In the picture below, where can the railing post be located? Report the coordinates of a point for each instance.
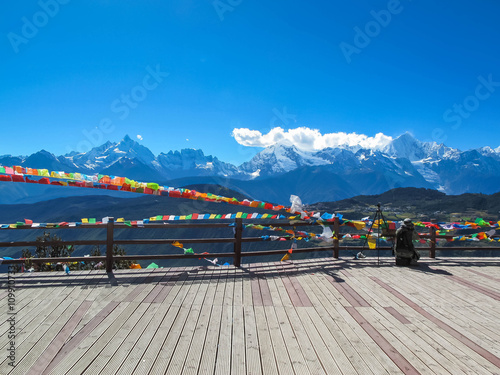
(109, 244)
(237, 244)
(432, 250)
(336, 231)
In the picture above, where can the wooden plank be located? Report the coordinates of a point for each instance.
(79, 344)
(223, 361)
(410, 346)
(321, 348)
(138, 361)
(358, 346)
(256, 295)
(298, 358)
(209, 355)
(460, 355)
(247, 289)
(338, 344)
(122, 354)
(435, 338)
(388, 349)
(229, 290)
(221, 287)
(421, 344)
(195, 352)
(182, 285)
(265, 346)
(273, 289)
(34, 322)
(205, 276)
(49, 353)
(282, 352)
(465, 340)
(30, 348)
(157, 357)
(93, 363)
(292, 292)
(251, 343)
(181, 348)
(111, 337)
(354, 299)
(238, 287)
(396, 314)
(27, 310)
(238, 352)
(265, 291)
(168, 283)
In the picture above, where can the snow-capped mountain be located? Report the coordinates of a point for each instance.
(280, 158)
(191, 162)
(404, 162)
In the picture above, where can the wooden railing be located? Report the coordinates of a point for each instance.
(236, 240)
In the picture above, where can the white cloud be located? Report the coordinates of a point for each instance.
(308, 139)
(139, 137)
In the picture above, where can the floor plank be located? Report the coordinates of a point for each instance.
(310, 316)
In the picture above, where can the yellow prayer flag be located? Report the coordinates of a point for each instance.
(85, 221)
(212, 216)
(286, 257)
(177, 244)
(372, 243)
(120, 220)
(238, 215)
(152, 218)
(359, 224)
(182, 217)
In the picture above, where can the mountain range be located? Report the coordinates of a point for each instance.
(279, 170)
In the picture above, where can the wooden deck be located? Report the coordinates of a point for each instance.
(320, 316)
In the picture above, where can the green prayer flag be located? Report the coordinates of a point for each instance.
(188, 251)
(92, 221)
(153, 186)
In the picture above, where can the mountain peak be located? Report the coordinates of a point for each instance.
(405, 146)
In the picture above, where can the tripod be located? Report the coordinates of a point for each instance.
(379, 219)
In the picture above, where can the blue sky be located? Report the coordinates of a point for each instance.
(186, 74)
